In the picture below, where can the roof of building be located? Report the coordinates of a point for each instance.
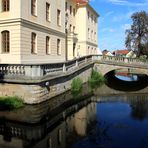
(121, 52)
(81, 1)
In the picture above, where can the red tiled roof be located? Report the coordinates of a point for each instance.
(121, 52)
(81, 1)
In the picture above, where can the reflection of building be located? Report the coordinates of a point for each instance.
(53, 133)
(82, 119)
(33, 31)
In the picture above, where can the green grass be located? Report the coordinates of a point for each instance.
(10, 103)
(96, 80)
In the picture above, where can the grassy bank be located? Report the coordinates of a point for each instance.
(10, 103)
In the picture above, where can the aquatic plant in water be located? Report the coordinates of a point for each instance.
(76, 86)
(10, 103)
(96, 80)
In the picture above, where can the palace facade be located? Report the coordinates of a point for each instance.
(46, 31)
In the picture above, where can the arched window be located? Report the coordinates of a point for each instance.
(5, 5)
(5, 41)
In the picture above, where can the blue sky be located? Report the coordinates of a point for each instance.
(115, 18)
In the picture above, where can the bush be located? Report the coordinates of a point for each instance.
(96, 79)
(76, 86)
(10, 103)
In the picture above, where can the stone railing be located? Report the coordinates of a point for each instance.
(36, 71)
(120, 60)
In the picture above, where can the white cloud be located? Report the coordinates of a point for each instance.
(127, 3)
(126, 26)
(122, 17)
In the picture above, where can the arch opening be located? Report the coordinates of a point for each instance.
(126, 80)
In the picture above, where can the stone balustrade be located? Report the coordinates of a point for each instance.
(35, 71)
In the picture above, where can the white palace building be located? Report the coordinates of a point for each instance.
(46, 31)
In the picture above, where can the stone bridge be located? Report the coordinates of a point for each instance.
(107, 64)
(38, 82)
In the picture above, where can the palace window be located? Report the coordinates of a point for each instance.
(33, 43)
(47, 45)
(70, 9)
(58, 46)
(5, 41)
(59, 136)
(47, 11)
(66, 6)
(74, 11)
(34, 7)
(58, 17)
(5, 5)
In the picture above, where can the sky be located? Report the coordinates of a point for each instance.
(115, 18)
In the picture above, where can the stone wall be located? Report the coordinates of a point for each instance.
(37, 93)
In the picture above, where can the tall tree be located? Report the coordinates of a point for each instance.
(137, 35)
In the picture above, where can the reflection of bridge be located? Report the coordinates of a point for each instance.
(48, 80)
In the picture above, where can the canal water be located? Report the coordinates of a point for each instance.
(108, 119)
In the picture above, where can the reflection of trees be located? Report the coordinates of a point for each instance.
(139, 105)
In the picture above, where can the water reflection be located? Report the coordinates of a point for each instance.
(107, 121)
(126, 81)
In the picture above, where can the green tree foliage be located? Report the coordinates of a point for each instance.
(137, 35)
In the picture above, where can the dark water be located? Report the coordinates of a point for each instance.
(118, 125)
(98, 122)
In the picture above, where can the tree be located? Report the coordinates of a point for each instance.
(137, 35)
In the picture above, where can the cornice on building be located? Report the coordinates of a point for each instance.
(82, 3)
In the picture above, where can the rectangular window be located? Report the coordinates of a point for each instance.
(70, 28)
(5, 5)
(33, 43)
(66, 6)
(47, 11)
(59, 136)
(74, 11)
(74, 29)
(34, 7)
(88, 14)
(88, 33)
(58, 46)
(70, 9)
(5, 42)
(58, 17)
(47, 45)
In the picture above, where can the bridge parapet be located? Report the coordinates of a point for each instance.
(117, 60)
(39, 71)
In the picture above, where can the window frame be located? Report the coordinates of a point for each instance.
(34, 7)
(5, 40)
(58, 47)
(47, 11)
(5, 5)
(48, 45)
(33, 43)
(58, 17)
